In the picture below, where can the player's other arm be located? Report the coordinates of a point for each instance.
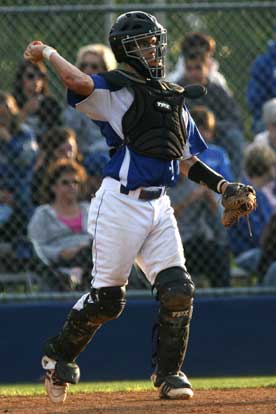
(200, 173)
(70, 75)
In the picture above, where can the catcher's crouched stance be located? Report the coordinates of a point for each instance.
(153, 138)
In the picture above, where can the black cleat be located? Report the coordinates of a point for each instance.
(173, 386)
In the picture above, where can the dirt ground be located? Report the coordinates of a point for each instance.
(240, 401)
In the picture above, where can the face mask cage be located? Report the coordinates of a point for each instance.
(150, 55)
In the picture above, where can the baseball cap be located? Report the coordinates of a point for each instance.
(269, 111)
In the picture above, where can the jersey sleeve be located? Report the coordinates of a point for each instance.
(195, 143)
(97, 105)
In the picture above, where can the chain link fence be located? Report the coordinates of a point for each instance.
(241, 31)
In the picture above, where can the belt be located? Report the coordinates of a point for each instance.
(144, 194)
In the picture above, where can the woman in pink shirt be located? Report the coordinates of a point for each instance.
(58, 229)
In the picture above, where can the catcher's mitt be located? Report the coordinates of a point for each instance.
(238, 200)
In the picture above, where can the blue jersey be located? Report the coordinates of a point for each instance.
(107, 106)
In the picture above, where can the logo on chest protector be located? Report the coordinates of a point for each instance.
(162, 106)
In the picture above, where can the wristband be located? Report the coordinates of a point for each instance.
(220, 185)
(48, 51)
(202, 174)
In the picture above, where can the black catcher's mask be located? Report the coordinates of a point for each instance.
(129, 37)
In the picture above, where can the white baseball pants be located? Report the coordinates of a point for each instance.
(126, 229)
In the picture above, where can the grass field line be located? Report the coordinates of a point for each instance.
(112, 386)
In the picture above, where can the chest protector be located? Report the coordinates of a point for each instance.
(153, 125)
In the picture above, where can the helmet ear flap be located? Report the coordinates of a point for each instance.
(117, 48)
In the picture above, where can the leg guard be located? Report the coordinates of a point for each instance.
(175, 291)
(86, 317)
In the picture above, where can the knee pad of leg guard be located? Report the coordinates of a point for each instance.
(175, 289)
(105, 304)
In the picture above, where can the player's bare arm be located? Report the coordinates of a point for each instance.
(70, 75)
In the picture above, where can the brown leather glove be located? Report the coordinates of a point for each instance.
(238, 200)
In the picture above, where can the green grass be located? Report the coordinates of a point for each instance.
(198, 383)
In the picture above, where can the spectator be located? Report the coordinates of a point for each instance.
(91, 59)
(58, 228)
(215, 156)
(195, 42)
(30, 85)
(268, 136)
(262, 82)
(17, 154)
(49, 115)
(228, 132)
(198, 217)
(259, 171)
(95, 58)
(58, 142)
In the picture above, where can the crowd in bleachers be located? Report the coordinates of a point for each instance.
(52, 159)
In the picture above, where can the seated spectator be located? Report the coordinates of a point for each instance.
(91, 59)
(228, 132)
(215, 156)
(198, 216)
(95, 58)
(49, 115)
(193, 42)
(268, 136)
(259, 171)
(57, 143)
(17, 154)
(30, 85)
(262, 83)
(58, 229)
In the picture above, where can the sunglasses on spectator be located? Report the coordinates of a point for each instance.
(93, 66)
(33, 75)
(68, 182)
(194, 67)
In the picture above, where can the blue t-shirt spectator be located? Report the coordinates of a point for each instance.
(262, 83)
(239, 237)
(16, 161)
(217, 158)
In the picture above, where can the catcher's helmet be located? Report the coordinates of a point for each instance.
(129, 40)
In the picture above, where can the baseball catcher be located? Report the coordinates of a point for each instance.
(153, 139)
